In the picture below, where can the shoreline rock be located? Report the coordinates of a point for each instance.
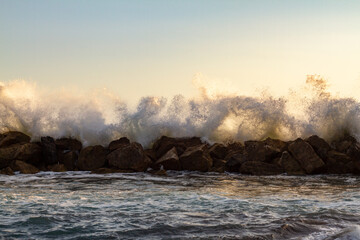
(312, 155)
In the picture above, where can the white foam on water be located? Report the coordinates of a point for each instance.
(100, 116)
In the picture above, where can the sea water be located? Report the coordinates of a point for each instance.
(182, 205)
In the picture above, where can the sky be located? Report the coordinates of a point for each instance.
(159, 47)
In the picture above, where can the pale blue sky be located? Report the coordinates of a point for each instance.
(138, 48)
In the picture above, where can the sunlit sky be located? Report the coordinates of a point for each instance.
(139, 48)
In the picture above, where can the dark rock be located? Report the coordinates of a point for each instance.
(338, 163)
(196, 159)
(161, 172)
(68, 144)
(235, 147)
(7, 171)
(13, 137)
(291, 166)
(49, 152)
(219, 165)
(320, 146)
(121, 142)
(170, 160)
(69, 159)
(29, 152)
(24, 167)
(261, 152)
(218, 151)
(150, 154)
(234, 160)
(277, 144)
(260, 168)
(91, 158)
(306, 156)
(57, 168)
(164, 144)
(130, 157)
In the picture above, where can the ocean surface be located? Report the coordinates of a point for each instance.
(182, 205)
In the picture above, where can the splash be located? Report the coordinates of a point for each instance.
(100, 116)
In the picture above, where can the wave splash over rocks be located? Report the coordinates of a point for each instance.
(100, 116)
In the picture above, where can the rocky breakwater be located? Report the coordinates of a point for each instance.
(312, 155)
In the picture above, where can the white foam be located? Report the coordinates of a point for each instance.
(100, 116)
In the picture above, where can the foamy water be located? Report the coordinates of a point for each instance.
(78, 205)
(100, 116)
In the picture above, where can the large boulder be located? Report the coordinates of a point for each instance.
(7, 171)
(320, 146)
(306, 156)
(260, 168)
(24, 167)
(338, 163)
(276, 144)
(91, 158)
(290, 165)
(71, 144)
(164, 144)
(261, 152)
(234, 160)
(57, 168)
(196, 159)
(121, 142)
(13, 137)
(218, 151)
(129, 157)
(28, 152)
(170, 160)
(69, 160)
(49, 152)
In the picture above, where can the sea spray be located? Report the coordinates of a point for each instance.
(100, 116)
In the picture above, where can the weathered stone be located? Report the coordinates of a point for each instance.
(235, 147)
(164, 144)
(260, 168)
(24, 167)
(91, 158)
(291, 166)
(57, 168)
(130, 157)
(7, 171)
(121, 142)
(110, 170)
(219, 165)
(338, 163)
(150, 154)
(49, 152)
(320, 146)
(170, 160)
(161, 172)
(69, 159)
(259, 151)
(30, 153)
(277, 144)
(218, 150)
(13, 137)
(306, 156)
(68, 144)
(196, 159)
(234, 160)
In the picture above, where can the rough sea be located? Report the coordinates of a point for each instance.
(182, 205)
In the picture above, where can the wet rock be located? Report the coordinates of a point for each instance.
(91, 158)
(121, 142)
(219, 165)
(164, 144)
(338, 163)
(130, 157)
(320, 146)
(218, 151)
(161, 172)
(13, 137)
(277, 144)
(7, 171)
(69, 159)
(71, 144)
(260, 168)
(57, 168)
(342, 145)
(110, 170)
(49, 152)
(235, 147)
(234, 160)
(306, 156)
(24, 167)
(196, 159)
(261, 152)
(290, 165)
(170, 160)
(150, 154)
(29, 152)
